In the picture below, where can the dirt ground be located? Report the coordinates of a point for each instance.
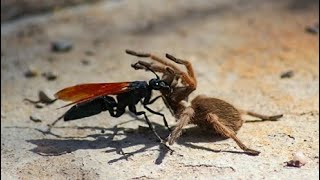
(239, 49)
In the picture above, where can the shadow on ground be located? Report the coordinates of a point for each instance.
(140, 136)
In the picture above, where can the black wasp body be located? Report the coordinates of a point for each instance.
(135, 92)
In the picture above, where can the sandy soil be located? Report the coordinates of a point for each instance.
(239, 49)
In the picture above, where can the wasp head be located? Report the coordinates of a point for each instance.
(158, 84)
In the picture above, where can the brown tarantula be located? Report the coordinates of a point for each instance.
(206, 112)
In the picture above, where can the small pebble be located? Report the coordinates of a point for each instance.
(89, 52)
(313, 29)
(35, 118)
(287, 74)
(31, 73)
(39, 105)
(46, 96)
(298, 160)
(61, 46)
(290, 136)
(299, 156)
(85, 62)
(50, 76)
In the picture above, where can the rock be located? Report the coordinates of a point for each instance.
(298, 160)
(35, 118)
(50, 76)
(287, 74)
(39, 105)
(61, 46)
(85, 62)
(313, 29)
(31, 72)
(46, 96)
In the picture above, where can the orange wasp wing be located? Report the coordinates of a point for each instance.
(84, 92)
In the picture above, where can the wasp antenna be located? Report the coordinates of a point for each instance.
(150, 70)
(153, 72)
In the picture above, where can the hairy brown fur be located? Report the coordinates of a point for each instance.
(206, 112)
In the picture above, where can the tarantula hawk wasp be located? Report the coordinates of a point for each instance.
(207, 112)
(94, 98)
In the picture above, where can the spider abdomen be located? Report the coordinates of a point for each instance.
(228, 114)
